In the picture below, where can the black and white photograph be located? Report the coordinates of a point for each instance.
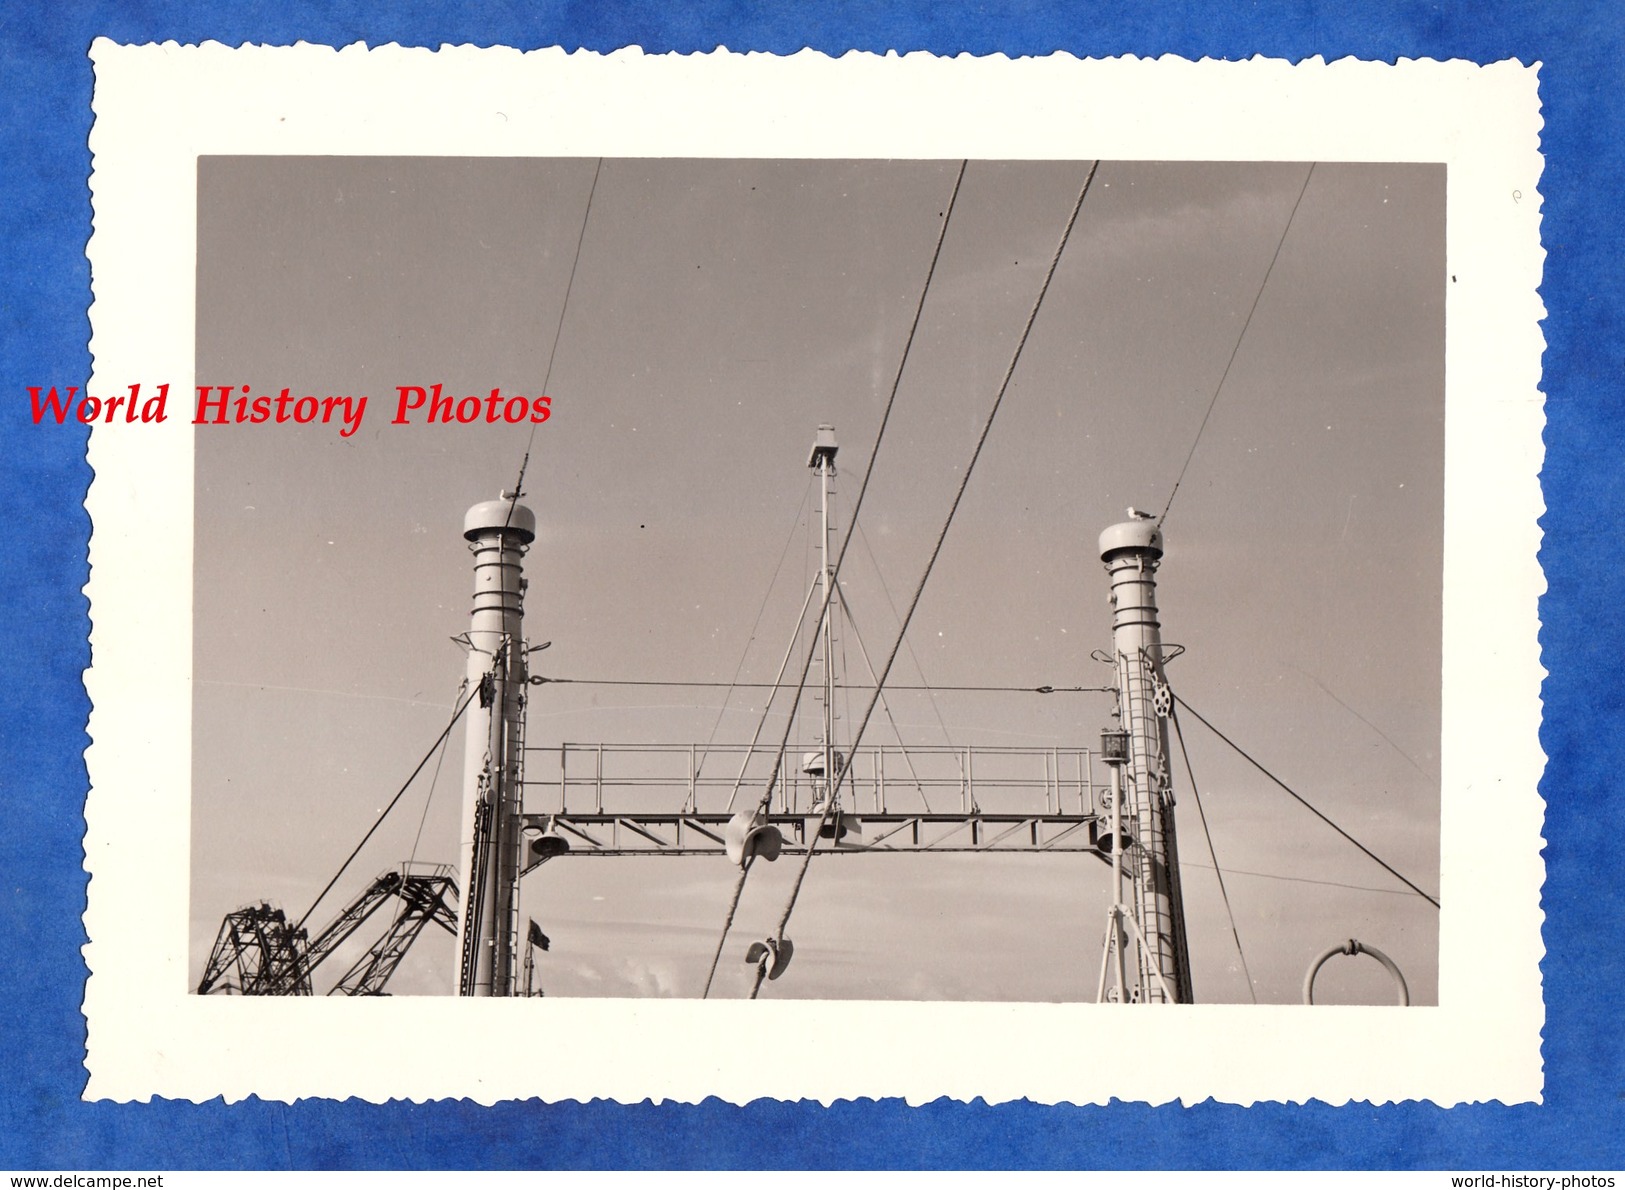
(628, 571)
(833, 580)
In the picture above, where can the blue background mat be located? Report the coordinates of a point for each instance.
(45, 90)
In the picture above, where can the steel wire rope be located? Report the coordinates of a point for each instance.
(841, 692)
(915, 657)
(846, 543)
(325, 690)
(1224, 893)
(750, 637)
(1387, 892)
(919, 786)
(1046, 689)
(552, 354)
(931, 696)
(919, 589)
(1382, 863)
(1219, 388)
(434, 779)
(377, 822)
(569, 285)
(767, 707)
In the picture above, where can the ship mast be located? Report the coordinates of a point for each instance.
(1142, 831)
(822, 461)
(1147, 912)
(493, 749)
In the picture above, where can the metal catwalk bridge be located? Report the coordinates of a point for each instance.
(676, 799)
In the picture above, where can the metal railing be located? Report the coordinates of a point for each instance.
(600, 778)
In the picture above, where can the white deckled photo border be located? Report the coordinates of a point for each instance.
(159, 107)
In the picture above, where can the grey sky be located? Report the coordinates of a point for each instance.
(721, 310)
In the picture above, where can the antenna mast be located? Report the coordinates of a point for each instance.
(822, 461)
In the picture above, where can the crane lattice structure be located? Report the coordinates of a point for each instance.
(258, 952)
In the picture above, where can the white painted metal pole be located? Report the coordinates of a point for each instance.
(1118, 938)
(826, 466)
(498, 532)
(1131, 552)
(822, 460)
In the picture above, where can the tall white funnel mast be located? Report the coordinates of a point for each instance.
(1131, 551)
(499, 532)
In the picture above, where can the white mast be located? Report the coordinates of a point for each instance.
(499, 532)
(822, 461)
(1143, 791)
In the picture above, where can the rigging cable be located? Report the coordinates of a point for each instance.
(377, 822)
(564, 306)
(1224, 893)
(750, 637)
(434, 780)
(1387, 867)
(919, 590)
(570, 284)
(846, 543)
(1387, 892)
(1239, 338)
(541, 681)
(915, 657)
(767, 707)
(840, 693)
(919, 786)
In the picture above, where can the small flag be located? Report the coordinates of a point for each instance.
(537, 938)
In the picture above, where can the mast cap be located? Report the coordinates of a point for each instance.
(1140, 534)
(503, 513)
